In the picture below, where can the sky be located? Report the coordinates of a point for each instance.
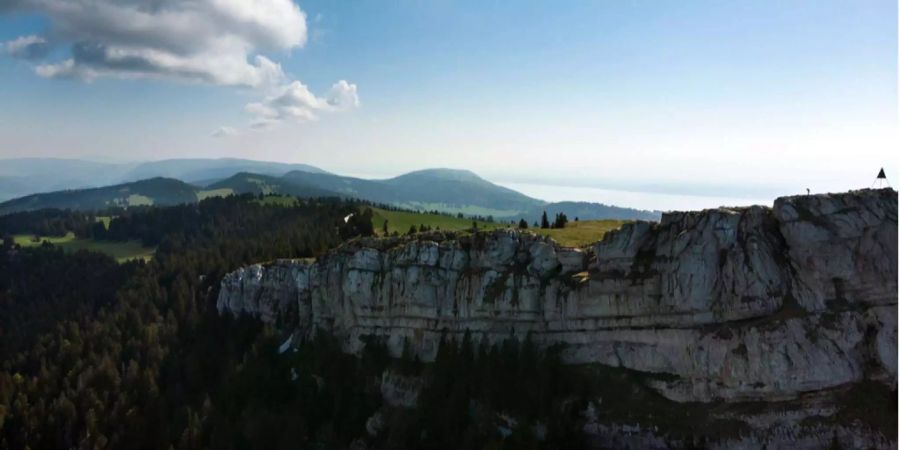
(732, 99)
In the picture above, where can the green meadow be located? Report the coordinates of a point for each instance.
(400, 221)
(581, 233)
(223, 192)
(121, 251)
(575, 234)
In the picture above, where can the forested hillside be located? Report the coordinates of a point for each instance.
(445, 190)
(135, 355)
(153, 191)
(131, 355)
(252, 183)
(25, 176)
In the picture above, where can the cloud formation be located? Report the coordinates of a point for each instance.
(28, 47)
(297, 103)
(223, 132)
(209, 41)
(215, 42)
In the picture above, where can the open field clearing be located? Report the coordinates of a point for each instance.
(121, 251)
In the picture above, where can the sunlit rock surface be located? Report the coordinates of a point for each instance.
(731, 304)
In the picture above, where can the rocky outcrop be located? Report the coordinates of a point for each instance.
(731, 304)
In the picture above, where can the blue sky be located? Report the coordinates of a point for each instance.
(736, 98)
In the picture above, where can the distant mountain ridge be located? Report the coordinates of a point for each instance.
(461, 191)
(152, 191)
(447, 190)
(254, 183)
(25, 176)
(199, 170)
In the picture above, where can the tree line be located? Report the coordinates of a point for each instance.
(95, 354)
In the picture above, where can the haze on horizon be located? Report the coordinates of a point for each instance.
(734, 99)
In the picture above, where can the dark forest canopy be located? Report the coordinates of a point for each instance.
(103, 355)
(95, 352)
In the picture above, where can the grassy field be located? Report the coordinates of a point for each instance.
(105, 219)
(224, 192)
(27, 240)
(400, 221)
(139, 200)
(122, 251)
(581, 233)
(575, 234)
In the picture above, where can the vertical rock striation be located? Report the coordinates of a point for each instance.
(730, 304)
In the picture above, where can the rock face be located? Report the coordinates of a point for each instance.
(719, 305)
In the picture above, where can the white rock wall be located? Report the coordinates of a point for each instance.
(736, 304)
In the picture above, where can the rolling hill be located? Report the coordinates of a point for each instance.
(460, 191)
(160, 191)
(14, 186)
(446, 190)
(255, 183)
(25, 176)
(153, 191)
(204, 171)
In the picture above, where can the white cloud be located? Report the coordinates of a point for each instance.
(208, 41)
(342, 96)
(295, 102)
(224, 131)
(28, 47)
(215, 42)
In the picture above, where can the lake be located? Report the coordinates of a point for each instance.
(631, 199)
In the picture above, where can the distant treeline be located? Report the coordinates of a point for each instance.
(388, 207)
(147, 224)
(119, 224)
(49, 222)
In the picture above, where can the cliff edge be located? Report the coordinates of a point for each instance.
(729, 304)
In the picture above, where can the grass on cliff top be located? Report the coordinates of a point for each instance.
(400, 221)
(575, 234)
(121, 251)
(581, 233)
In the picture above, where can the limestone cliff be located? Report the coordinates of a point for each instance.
(731, 304)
